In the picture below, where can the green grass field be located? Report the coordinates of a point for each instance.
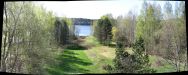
(93, 59)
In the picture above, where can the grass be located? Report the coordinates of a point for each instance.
(161, 65)
(157, 63)
(100, 56)
(70, 61)
(83, 59)
(90, 41)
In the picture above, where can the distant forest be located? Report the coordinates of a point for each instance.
(81, 21)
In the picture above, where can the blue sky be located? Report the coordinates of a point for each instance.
(95, 9)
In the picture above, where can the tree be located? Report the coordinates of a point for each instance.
(94, 24)
(130, 23)
(61, 31)
(121, 30)
(168, 10)
(124, 62)
(148, 26)
(9, 32)
(25, 49)
(175, 35)
(103, 30)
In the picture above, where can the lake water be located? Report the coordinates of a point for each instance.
(83, 30)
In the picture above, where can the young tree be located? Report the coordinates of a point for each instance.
(148, 26)
(103, 30)
(138, 62)
(61, 31)
(129, 22)
(176, 37)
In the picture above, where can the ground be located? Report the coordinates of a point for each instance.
(93, 58)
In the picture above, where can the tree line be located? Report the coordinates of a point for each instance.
(153, 32)
(31, 35)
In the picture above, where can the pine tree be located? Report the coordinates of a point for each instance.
(138, 62)
(140, 59)
(103, 30)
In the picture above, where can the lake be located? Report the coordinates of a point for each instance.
(83, 30)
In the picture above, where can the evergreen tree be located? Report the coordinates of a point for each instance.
(61, 31)
(103, 30)
(138, 62)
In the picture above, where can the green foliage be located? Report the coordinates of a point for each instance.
(30, 37)
(61, 31)
(148, 26)
(138, 62)
(103, 30)
(162, 36)
(114, 31)
(141, 59)
(94, 24)
(125, 26)
(91, 41)
(71, 62)
(175, 35)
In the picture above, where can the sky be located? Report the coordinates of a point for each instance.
(94, 9)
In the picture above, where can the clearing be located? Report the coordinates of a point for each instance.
(92, 59)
